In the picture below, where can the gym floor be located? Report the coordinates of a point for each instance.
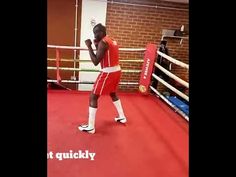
(154, 142)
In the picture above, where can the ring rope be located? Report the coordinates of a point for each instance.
(88, 82)
(184, 65)
(171, 104)
(181, 81)
(171, 87)
(90, 70)
(89, 61)
(83, 48)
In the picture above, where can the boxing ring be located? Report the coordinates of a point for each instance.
(154, 142)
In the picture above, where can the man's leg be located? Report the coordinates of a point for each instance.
(118, 106)
(93, 104)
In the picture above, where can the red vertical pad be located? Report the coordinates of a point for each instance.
(147, 69)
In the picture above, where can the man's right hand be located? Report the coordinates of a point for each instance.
(88, 43)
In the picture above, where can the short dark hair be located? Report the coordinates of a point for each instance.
(101, 28)
(164, 42)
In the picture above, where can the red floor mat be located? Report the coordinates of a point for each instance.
(154, 143)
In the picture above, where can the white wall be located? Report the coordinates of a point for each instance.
(91, 11)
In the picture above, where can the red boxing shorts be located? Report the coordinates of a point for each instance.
(107, 82)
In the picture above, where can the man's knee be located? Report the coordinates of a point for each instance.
(93, 100)
(93, 97)
(114, 96)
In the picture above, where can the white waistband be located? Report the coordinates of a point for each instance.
(111, 69)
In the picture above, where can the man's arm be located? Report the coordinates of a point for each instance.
(102, 47)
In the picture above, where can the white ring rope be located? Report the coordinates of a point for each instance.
(133, 50)
(72, 69)
(83, 48)
(91, 70)
(184, 65)
(84, 60)
(126, 49)
(181, 81)
(66, 47)
(171, 104)
(87, 82)
(171, 87)
(69, 81)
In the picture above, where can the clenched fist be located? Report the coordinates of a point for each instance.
(88, 43)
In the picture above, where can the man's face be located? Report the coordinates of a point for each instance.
(98, 34)
(162, 46)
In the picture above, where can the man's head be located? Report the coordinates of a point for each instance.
(163, 42)
(99, 32)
